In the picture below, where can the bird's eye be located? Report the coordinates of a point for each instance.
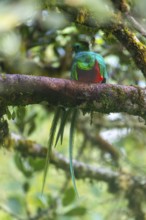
(77, 46)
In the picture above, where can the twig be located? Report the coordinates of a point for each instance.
(102, 144)
(136, 24)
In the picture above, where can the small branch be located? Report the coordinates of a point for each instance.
(136, 24)
(132, 44)
(83, 171)
(132, 123)
(122, 5)
(99, 142)
(106, 98)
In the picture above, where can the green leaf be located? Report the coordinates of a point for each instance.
(26, 187)
(13, 115)
(79, 211)
(15, 204)
(37, 164)
(21, 112)
(23, 165)
(69, 197)
(31, 128)
(8, 113)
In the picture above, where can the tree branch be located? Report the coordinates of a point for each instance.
(115, 179)
(114, 25)
(136, 24)
(82, 171)
(106, 98)
(99, 142)
(132, 44)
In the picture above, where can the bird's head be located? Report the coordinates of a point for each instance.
(81, 46)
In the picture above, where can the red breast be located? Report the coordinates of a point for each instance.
(90, 76)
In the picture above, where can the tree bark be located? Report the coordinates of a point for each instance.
(106, 98)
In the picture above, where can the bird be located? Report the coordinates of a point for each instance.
(87, 67)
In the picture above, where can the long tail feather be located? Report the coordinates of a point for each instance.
(50, 144)
(64, 116)
(71, 136)
(62, 130)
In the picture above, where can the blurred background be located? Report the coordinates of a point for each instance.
(36, 38)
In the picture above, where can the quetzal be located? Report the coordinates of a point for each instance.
(87, 67)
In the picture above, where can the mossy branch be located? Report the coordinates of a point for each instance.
(18, 90)
(117, 180)
(114, 25)
(132, 44)
(30, 148)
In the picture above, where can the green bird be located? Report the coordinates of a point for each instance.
(87, 67)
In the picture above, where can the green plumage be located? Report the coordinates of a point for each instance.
(71, 136)
(50, 143)
(88, 66)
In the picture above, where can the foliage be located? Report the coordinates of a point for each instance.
(36, 38)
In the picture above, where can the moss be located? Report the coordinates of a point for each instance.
(133, 45)
(81, 16)
(141, 102)
(106, 102)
